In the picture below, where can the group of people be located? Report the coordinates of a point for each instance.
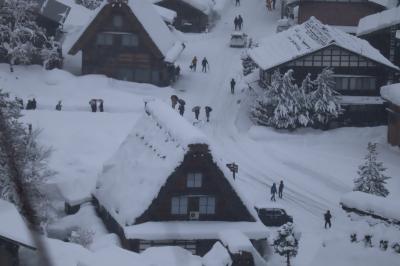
(204, 64)
(181, 108)
(31, 104)
(279, 191)
(271, 4)
(238, 22)
(96, 104)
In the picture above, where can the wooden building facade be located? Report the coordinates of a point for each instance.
(391, 93)
(337, 13)
(123, 44)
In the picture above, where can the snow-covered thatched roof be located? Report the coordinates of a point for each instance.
(385, 3)
(13, 227)
(307, 38)
(391, 93)
(168, 45)
(133, 177)
(379, 21)
(53, 10)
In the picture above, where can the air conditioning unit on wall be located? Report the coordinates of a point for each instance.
(194, 215)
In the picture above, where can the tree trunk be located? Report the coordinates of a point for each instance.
(287, 259)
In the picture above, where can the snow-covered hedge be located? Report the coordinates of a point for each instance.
(379, 207)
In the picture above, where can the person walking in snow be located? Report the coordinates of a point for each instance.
(237, 3)
(181, 109)
(196, 111)
(273, 4)
(208, 111)
(273, 192)
(233, 83)
(328, 217)
(93, 105)
(58, 106)
(280, 189)
(240, 22)
(101, 105)
(193, 66)
(174, 101)
(33, 104)
(236, 22)
(205, 65)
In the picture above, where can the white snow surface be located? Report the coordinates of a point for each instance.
(306, 38)
(379, 21)
(391, 93)
(235, 241)
(170, 256)
(188, 230)
(13, 225)
(384, 207)
(168, 15)
(217, 256)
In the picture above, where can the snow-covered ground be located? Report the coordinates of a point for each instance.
(317, 167)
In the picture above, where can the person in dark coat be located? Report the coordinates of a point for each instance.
(196, 111)
(204, 64)
(193, 66)
(236, 22)
(280, 189)
(273, 4)
(328, 217)
(208, 111)
(59, 106)
(273, 192)
(181, 109)
(29, 105)
(93, 105)
(233, 83)
(101, 105)
(174, 101)
(237, 3)
(240, 22)
(177, 71)
(33, 104)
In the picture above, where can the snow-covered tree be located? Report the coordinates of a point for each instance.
(248, 65)
(23, 163)
(371, 178)
(324, 99)
(286, 242)
(90, 4)
(22, 41)
(83, 237)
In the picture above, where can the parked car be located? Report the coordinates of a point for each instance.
(273, 216)
(238, 39)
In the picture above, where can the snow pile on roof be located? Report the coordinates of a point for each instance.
(170, 256)
(391, 93)
(307, 38)
(369, 203)
(385, 3)
(167, 15)
(132, 178)
(187, 230)
(205, 6)
(13, 226)
(379, 21)
(235, 241)
(217, 256)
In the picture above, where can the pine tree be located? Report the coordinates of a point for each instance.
(324, 100)
(22, 159)
(304, 104)
(286, 242)
(371, 178)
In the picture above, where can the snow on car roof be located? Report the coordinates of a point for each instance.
(391, 93)
(307, 38)
(379, 21)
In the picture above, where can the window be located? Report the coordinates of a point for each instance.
(104, 39)
(124, 74)
(194, 180)
(142, 75)
(207, 205)
(343, 83)
(155, 76)
(117, 21)
(179, 205)
(130, 40)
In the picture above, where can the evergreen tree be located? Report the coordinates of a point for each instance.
(286, 242)
(324, 101)
(304, 104)
(371, 178)
(22, 161)
(22, 41)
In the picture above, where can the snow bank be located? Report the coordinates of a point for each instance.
(13, 226)
(391, 93)
(235, 241)
(372, 204)
(307, 38)
(217, 256)
(113, 256)
(379, 21)
(170, 256)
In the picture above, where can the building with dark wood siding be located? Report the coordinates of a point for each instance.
(192, 15)
(391, 93)
(51, 16)
(359, 69)
(129, 41)
(382, 31)
(167, 186)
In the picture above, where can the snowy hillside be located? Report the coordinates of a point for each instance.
(317, 167)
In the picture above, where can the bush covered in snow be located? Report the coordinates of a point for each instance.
(286, 242)
(83, 237)
(22, 41)
(371, 178)
(284, 105)
(90, 4)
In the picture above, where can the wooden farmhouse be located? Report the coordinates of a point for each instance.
(13, 234)
(359, 69)
(391, 93)
(128, 40)
(166, 186)
(192, 15)
(382, 30)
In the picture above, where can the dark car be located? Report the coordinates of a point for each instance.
(273, 216)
